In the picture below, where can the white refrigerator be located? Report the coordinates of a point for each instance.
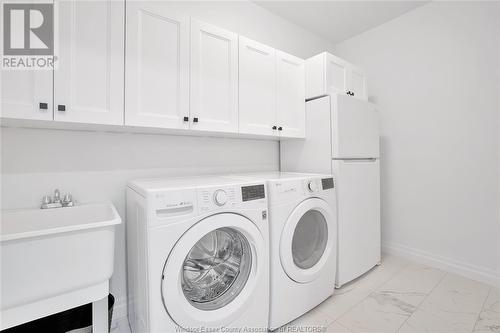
(342, 138)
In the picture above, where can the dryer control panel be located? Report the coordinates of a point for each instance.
(327, 183)
(318, 184)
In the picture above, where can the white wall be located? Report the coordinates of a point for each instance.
(434, 74)
(95, 166)
(256, 23)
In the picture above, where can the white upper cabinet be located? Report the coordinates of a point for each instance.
(157, 66)
(164, 70)
(257, 88)
(291, 105)
(88, 83)
(337, 72)
(214, 78)
(357, 83)
(27, 94)
(272, 91)
(327, 74)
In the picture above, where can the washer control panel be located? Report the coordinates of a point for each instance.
(218, 197)
(213, 198)
(174, 200)
(253, 192)
(172, 204)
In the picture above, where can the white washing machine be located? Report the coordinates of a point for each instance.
(197, 254)
(303, 242)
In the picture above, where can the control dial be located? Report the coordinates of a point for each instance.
(220, 197)
(312, 186)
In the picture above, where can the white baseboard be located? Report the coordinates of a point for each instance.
(446, 264)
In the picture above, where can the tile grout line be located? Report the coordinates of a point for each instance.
(392, 278)
(371, 292)
(347, 328)
(425, 298)
(482, 309)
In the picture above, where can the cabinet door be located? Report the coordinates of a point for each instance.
(88, 83)
(27, 94)
(257, 88)
(291, 104)
(357, 83)
(214, 78)
(336, 75)
(157, 66)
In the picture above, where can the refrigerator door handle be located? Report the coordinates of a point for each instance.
(371, 159)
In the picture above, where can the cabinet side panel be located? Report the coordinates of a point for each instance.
(315, 76)
(314, 153)
(137, 262)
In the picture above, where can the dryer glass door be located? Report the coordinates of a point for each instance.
(308, 240)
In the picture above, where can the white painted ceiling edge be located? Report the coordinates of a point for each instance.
(337, 21)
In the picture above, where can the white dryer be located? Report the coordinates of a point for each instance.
(197, 255)
(303, 242)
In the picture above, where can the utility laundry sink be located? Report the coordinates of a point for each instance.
(55, 259)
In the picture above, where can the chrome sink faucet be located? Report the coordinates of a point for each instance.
(56, 202)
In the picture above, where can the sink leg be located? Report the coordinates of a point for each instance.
(100, 316)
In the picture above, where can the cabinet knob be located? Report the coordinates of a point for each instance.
(274, 127)
(195, 119)
(280, 128)
(43, 106)
(186, 118)
(61, 107)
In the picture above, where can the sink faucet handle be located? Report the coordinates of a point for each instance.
(57, 196)
(47, 199)
(68, 200)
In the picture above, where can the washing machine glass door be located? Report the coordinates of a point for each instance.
(216, 269)
(211, 272)
(308, 240)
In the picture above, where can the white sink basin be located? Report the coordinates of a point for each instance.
(54, 259)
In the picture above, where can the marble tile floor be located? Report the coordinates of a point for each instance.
(401, 296)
